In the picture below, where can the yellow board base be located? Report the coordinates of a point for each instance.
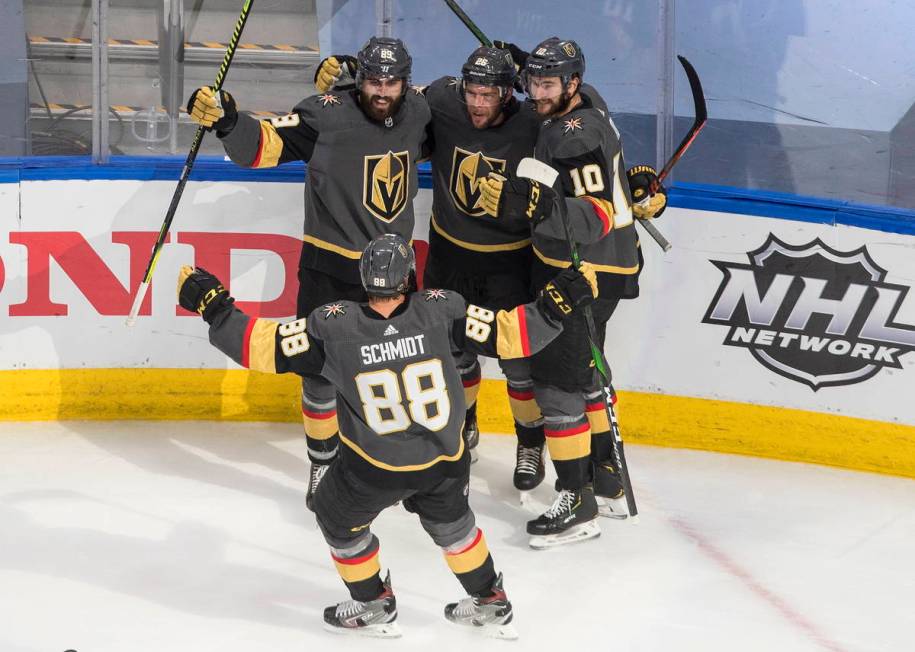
(655, 419)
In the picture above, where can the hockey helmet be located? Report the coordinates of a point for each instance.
(383, 57)
(555, 58)
(489, 67)
(388, 266)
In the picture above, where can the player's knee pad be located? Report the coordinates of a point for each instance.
(451, 533)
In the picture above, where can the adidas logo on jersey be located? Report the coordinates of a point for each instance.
(390, 330)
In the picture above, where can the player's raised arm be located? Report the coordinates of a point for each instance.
(250, 142)
(526, 329)
(258, 344)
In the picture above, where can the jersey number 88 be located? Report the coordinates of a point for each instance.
(425, 390)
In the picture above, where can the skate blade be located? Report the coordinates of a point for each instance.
(612, 508)
(583, 532)
(381, 630)
(505, 632)
(524, 498)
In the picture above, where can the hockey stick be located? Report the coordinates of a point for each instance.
(533, 169)
(701, 118)
(186, 170)
(472, 26)
(695, 86)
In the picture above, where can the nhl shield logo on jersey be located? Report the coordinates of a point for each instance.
(467, 168)
(813, 314)
(386, 184)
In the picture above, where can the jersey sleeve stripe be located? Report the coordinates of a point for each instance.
(261, 348)
(246, 344)
(270, 147)
(511, 338)
(604, 211)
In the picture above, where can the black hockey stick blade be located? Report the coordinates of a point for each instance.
(695, 87)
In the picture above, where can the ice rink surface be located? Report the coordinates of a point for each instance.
(188, 536)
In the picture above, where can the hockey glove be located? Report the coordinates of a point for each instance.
(571, 289)
(518, 55)
(646, 206)
(212, 112)
(505, 195)
(331, 69)
(201, 292)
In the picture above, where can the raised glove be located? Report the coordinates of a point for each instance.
(212, 112)
(518, 55)
(569, 290)
(506, 195)
(646, 206)
(201, 292)
(330, 70)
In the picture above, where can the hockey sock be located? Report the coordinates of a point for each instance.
(471, 563)
(360, 569)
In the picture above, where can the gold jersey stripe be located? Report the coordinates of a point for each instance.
(358, 571)
(511, 340)
(606, 207)
(470, 559)
(321, 244)
(510, 246)
(410, 467)
(609, 269)
(271, 146)
(262, 346)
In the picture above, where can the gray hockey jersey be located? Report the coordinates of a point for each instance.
(361, 174)
(463, 155)
(400, 401)
(584, 147)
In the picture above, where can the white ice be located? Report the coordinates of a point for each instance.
(155, 536)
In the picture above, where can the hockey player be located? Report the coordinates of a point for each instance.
(478, 126)
(390, 360)
(578, 139)
(361, 147)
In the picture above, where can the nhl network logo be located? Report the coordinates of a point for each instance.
(810, 313)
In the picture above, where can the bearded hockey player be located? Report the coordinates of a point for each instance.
(478, 126)
(390, 359)
(361, 146)
(580, 141)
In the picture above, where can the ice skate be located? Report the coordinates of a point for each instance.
(569, 519)
(608, 490)
(529, 470)
(492, 614)
(315, 475)
(375, 618)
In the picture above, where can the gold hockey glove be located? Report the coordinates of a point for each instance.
(201, 292)
(212, 112)
(646, 206)
(505, 195)
(330, 70)
(569, 290)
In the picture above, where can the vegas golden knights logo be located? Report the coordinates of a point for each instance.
(386, 184)
(467, 168)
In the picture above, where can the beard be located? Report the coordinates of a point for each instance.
(553, 107)
(379, 113)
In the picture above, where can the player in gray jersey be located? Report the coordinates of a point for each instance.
(361, 146)
(578, 139)
(401, 410)
(478, 126)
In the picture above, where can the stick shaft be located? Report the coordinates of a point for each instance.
(186, 170)
(472, 26)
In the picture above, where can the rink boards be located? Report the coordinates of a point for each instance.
(767, 336)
